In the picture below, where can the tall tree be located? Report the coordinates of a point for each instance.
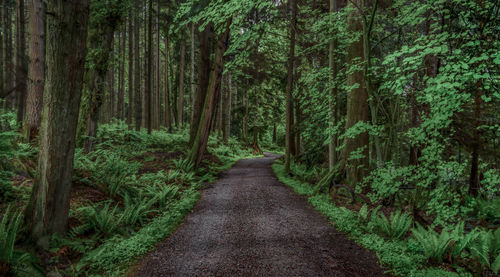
(180, 104)
(137, 69)
(357, 99)
(193, 84)
(200, 142)
(149, 60)
(66, 49)
(20, 60)
(36, 70)
(203, 79)
(227, 109)
(130, 110)
(168, 113)
(289, 87)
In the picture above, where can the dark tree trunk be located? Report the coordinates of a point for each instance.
(200, 142)
(130, 71)
(9, 66)
(20, 60)
(36, 73)
(180, 104)
(289, 145)
(203, 79)
(227, 110)
(137, 70)
(168, 117)
(149, 58)
(66, 49)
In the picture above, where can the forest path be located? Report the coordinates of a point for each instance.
(249, 224)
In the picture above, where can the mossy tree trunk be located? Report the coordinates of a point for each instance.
(357, 100)
(48, 210)
(201, 139)
(20, 44)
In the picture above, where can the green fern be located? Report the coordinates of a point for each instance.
(102, 220)
(9, 227)
(486, 249)
(135, 212)
(395, 227)
(433, 245)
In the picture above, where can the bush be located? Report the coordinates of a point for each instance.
(395, 227)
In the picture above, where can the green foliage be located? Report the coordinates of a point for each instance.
(395, 227)
(486, 249)
(9, 227)
(100, 218)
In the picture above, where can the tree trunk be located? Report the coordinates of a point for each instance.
(193, 84)
(227, 110)
(137, 70)
(2, 39)
(9, 66)
(102, 38)
(130, 71)
(66, 49)
(200, 142)
(20, 60)
(203, 79)
(36, 73)
(121, 94)
(149, 58)
(289, 87)
(357, 102)
(180, 104)
(158, 109)
(168, 114)
(333, 94)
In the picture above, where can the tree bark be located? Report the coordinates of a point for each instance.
(200, 142)
(66, 49)
(36, 70)
(137, 70)
(149, 58)
(193, 84)
(333, 95)
(289, 87)
(203, 79)
(168, 114)
(357, 102)
(130, 71)
(227, 110)
(9, 66)
(180, 104)
(20, 60)
(158, 109)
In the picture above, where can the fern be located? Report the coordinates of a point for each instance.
(102, 220)
(486, 249)
(396, 227)
(433, 245)
(135, 212)
(9, 227)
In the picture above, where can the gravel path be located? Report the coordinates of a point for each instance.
(249, 224)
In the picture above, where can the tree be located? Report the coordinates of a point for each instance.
(36, 70)
(137, 69)
(20, 60)
(48, 210)
(357, 166)
(200, 142)
(180, 103)
(130, 110)
(289, 145)
(149, 61)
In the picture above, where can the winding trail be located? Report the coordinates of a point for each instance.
(249, 224)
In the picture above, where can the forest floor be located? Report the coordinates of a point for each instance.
(250, 224)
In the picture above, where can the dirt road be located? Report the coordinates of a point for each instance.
(249, 224)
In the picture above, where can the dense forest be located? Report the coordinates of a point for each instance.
(117, 115)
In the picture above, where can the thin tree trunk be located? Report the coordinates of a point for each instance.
(180, 104)
(201, 140)
(149, 58)
(193, 84)
(9, 66)
(121, 95)
(20, 60)
(2, 64)
(168, 117)
(66, 49)
(130, 71)
(158, 70)
(227, 116)
(137, 70)
(333, 93)
(289, 87)
(36, 73)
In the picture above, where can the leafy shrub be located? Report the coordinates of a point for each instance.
(488, 210)
(395, 227)
(136, 211)
(9, 227)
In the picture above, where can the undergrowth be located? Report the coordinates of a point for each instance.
(418, 254)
